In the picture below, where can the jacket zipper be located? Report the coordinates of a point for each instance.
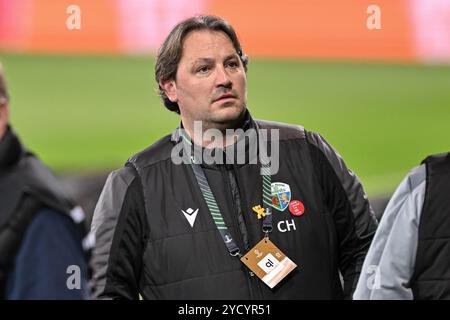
(251, 277)
(241, 243)
(245, 207)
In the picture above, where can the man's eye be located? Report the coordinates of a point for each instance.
(233, 64)
(203, 69)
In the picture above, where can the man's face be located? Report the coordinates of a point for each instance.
(211, 83)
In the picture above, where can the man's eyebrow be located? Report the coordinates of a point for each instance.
(203, 60)
(231, 56)
(210, 60)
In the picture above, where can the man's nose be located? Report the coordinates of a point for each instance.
(223, 78)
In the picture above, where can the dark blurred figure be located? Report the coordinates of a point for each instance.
(41, 251)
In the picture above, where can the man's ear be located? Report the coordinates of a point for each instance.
(170, 89)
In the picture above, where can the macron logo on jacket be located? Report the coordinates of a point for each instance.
(190, 215)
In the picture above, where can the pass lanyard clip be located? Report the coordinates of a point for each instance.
(267, 224)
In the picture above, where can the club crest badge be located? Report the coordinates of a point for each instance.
(281, 195)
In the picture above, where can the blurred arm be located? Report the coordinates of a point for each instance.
(389, 264)
(50, 245)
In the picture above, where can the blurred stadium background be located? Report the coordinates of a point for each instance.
(85, 99)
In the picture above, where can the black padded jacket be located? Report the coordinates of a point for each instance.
(146, 245)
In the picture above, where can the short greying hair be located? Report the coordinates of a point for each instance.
(170, 52)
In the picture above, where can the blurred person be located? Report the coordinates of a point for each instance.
(409, 256)
(167, 230)
(41, 229)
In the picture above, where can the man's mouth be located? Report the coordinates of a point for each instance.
(225, 96)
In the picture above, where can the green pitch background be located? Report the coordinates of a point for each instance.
(89, 114)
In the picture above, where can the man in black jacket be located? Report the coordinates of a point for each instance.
(41, 229)
(182, 219)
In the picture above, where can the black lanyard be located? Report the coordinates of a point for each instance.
(214, 209)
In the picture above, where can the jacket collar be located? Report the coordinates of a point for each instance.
(248, 123)
(10, 149)
(226, 155)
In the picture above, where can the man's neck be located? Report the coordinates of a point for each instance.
(3, 131)
(213, 135)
